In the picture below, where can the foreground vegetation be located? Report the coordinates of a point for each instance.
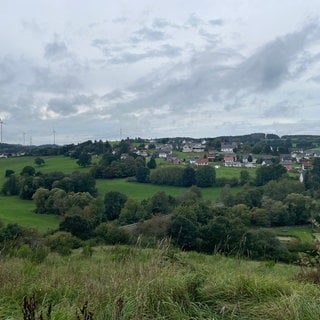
(130, 283)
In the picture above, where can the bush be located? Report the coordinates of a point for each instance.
(109, 234)
(62, 242)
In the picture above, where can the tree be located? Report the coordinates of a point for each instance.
(28, 171)
(109, 234)
(244, 177)
(39, 161)
(205, 176)
(142, 174)
(159, 203)
(27, 188)
(84, 159)
(265, 174)
(132, 212)
(188, 177)
(113, 203)
(9, 173)
(183, 232)
(83, 182)
(11, 186)
(151, 164)
(222, 234)
(77, 226)
(263, 244)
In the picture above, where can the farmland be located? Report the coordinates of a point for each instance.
(13, 209)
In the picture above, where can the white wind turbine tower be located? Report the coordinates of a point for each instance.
(1, 124)
(54, 136)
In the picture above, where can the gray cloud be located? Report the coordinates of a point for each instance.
(194, 21)
(47, 80)
(69, 106)
(61, 106)
(216, 22)
(221, 75)
(55, 50)
(148, 34)
(281, 109)
(167, 51)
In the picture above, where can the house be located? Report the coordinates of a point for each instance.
(210, 156)
(267, 162)
(198, 148)
(186, 148)
(287, 164)
(173, 159)
(201, 162)
(306, 165)
(229, 158)
(228, 147)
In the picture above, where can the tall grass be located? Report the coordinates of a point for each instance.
(122, 282)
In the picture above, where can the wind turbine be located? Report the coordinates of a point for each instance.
(24, 138)
(1, 124)
(54, 137)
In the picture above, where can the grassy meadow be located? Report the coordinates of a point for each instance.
(119, 282)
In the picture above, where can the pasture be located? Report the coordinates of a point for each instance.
(15, 210)
(140, 191)
(303, 233)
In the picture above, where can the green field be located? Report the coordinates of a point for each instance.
(303, 233)
(54, 163)
(140, 191)
(15, 210)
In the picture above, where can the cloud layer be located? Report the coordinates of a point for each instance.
(156, 70)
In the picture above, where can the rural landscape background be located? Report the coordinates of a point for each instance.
(170, 228)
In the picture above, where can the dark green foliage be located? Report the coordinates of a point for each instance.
(52, 177)
(27, 188)
(262, 244)
(278, 190)
(109, 234)
(265, 174)
(8, 173)
(39, 161)
(142, 174)
(222, 234)
(226, 196)
(244, 176)
(83, 182)
(78, 226)
(171, 176)
(84, 159)
(11, 232)
(299, 207)
(159, 203)
(151, 164)
(312, 177)
(28, 171)
(251, 197)
(11, 186)
(183, 232)
(113, 203)
(62, 242)
(205, 176)
(132, 212)
(189, 177)
(223, 181)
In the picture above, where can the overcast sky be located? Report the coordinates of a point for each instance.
(141, 68)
